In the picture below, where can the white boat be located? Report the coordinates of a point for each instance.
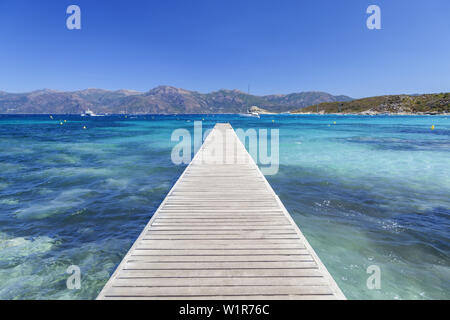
(252, 112)
(90, 113)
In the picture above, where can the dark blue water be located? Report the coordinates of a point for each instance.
(364, 190)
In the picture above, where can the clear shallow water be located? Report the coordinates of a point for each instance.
(365, 191)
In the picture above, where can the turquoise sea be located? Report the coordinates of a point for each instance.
(364, 191)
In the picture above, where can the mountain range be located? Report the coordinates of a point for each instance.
(160, 100)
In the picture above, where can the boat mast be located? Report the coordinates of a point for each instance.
(248, 97)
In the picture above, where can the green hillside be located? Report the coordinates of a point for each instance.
(426, 103)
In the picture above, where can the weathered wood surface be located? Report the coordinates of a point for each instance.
(221, 233)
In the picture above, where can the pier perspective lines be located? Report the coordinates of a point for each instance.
(221, 233)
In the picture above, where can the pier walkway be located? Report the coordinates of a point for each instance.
(221, 233)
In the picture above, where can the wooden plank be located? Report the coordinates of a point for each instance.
(220, 227)
(250, 234)
(219, 290)
(152, 236)
(229, 212)
(214, 243)
(217, 252)
(235, 258)
(187, 282)
(232, 297)
(221, 233)
(235, 246)
(213, 221)
(219, 218)
(202, 265)
(228, 273)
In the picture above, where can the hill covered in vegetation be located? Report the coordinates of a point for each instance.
(393, 104)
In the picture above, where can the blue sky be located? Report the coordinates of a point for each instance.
(204, 45)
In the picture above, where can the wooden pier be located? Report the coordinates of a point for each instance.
(221, 233)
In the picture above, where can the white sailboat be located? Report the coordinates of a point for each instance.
(252, 112)
(90, 113)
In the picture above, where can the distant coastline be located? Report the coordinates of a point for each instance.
(159, 100)
(171, 100)
(376, 113)
(425, 104)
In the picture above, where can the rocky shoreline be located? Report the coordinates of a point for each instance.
(375, 113)
(425, 104)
